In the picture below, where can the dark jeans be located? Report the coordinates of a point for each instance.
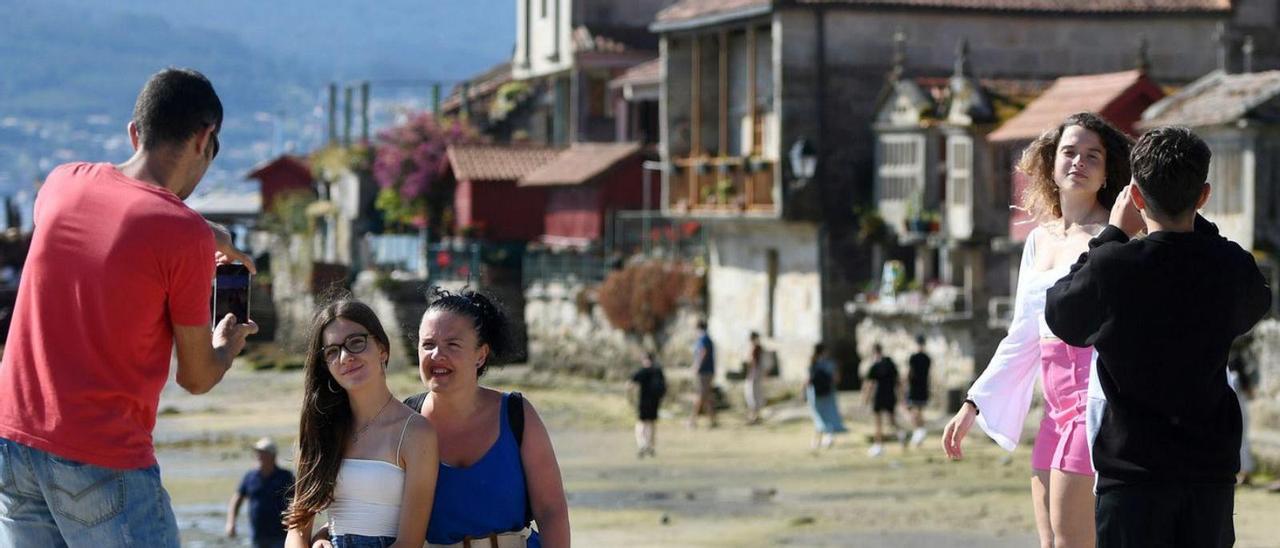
(1166, 515)
(361, 541)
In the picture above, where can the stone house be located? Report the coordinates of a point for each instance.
(746, 81)
(571, 50)
(1238, 115)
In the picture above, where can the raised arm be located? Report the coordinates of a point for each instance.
(542, 476)
(204, 357)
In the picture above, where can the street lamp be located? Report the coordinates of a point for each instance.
(804, 161)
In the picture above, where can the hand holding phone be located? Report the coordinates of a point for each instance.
(231, 292)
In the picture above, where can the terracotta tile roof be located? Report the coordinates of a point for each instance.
(581, 163)
(497, 162)
(1068, 95)
(648, 72)
(686, 10)
(289, 161)
(693, 9)
(1217, 98)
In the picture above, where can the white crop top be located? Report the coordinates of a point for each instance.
(1003, 392)
(366, 496)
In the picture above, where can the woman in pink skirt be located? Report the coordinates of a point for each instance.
(1075, 172)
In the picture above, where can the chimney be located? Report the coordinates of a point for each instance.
(1143, 62)
(1224, 47)
(1247, 54)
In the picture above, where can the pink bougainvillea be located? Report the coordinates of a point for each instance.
(409, 163)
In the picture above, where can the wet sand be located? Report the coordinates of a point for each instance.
(736, 485)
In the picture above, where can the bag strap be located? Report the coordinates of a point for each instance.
(515, 420)
(515, 416)
(415, 401)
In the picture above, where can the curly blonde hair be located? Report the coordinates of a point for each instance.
(1040, 199)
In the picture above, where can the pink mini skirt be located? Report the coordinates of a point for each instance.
(1062, 442)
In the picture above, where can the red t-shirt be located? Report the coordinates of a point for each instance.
(114, 264)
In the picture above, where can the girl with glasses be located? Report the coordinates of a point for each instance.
(368, 459)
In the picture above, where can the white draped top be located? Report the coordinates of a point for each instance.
(1003, 392)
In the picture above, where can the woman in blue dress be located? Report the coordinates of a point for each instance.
(820, 392)
(495, 477)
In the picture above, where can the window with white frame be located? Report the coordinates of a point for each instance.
(1226, 177)
(959, 170)
(901, 168)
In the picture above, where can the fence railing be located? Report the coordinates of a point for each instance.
(439, 261)
(544, 265)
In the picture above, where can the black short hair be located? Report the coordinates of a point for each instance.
(702, 324)
(1171, 166)
(920, 340)
(877, 348)
(492, 325)
(174, 105)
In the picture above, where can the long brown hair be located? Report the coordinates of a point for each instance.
(1040, 200)
(326, 414)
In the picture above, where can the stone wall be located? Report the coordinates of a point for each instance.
(740, 292)
(568, 332)
(959, 349)
(1264, 354)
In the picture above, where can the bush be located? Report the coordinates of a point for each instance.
(641, 298)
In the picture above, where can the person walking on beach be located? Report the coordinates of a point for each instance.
(267, 488)
(118, 275)
(1162, 312)
(918, 390)
(820, 392)
(1075, 172)
(753, 381)
(648, 386)
(881, 391)
(704, 370)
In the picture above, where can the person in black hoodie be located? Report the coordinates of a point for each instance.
(1162, 312)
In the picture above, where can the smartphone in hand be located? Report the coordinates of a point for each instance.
(231, 292)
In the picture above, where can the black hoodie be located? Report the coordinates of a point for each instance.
(1162, 313)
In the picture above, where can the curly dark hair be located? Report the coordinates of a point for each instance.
(492, 325)
(1040, 199)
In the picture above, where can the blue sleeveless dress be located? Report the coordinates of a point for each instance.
(486, 497)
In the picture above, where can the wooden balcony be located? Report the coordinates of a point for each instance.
(731, 185)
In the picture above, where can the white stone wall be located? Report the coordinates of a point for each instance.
(738, 285)
(562, 337)
(1264, 353)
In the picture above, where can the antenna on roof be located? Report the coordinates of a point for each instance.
(962, 58)
(1144, 54)
(1247, 51)
(1220, 36)
(899, 54)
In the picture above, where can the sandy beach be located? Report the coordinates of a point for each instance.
(736, 485)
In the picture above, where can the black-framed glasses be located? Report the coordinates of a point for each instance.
(354, 344)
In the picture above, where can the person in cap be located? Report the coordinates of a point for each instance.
(267, 489)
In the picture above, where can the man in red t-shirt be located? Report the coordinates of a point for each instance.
(119, 273)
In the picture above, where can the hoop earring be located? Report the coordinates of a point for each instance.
(331, 389)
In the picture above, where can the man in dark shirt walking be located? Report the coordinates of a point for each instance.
(918, 389)
(268, 489)
(1162, 313)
